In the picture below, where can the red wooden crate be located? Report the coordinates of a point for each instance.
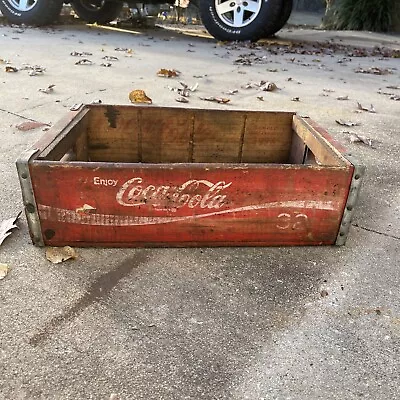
(151, 176)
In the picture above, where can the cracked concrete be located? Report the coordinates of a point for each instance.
(223, 323)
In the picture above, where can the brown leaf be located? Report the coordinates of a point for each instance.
(6, 227)
(220, 100)
(4, 268)
(58, 255)
(29, 125)
(347, 123)
(9, 68)
(371, 109)
(139, 96)
(168, 73)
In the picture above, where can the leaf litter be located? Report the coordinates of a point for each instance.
(168, 73)
(48, 90)
(57, 255)
(139, 96)
(371, 109)
(347, 123)
(4, 268)
(7, 226)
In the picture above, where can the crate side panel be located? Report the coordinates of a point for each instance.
(267, 138)
(218, 136)
(188, 205)
(113, 134)
(166, 135)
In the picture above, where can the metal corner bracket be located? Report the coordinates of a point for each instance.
(355, 186)
(28, 196)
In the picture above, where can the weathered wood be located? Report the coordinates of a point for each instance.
(62, 137)
(183, 205)
(323, 150)
(186, 177)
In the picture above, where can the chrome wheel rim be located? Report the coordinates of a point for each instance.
(23, 5)
(238, 13)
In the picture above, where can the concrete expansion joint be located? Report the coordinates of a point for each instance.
(375, 231)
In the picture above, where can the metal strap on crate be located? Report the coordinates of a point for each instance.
(355, 186)
(28, 196)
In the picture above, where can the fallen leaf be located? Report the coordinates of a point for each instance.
(168, 73)
(9, 68)
(29, 125)
(361, 108)
(347, 123)
(107, 65)
(324, 293)
(269, 87)
(374, 71)
(58, 255)
(393, 87)
(261, 98)
(110, 58)
(84, 61)
(354, 138)
(139, 96)
(4, 268)
(182, 99)
(85, 209)
(6, 227)
(48, 90)
(272, 70)
(80, 53)
(296, 99)
(395, 97)
(219, 100)
(232, 92)
(328, 90)
(342, 98)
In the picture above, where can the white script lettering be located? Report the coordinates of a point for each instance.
(104, 182)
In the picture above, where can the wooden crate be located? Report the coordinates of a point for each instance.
(151, 176)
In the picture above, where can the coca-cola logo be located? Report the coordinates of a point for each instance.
(193, 193)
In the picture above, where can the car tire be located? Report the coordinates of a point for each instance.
(284, 16)
(33, 12)
(98, 11)
(231, 20)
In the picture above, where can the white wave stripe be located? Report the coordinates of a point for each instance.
(72, 217)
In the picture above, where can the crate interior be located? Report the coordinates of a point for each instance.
(128, 134)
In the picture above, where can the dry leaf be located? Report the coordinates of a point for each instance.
(393, 87)
(110, 58)
(328, 90)
(105, 65)
(361, 108)
(342, 98)
(84, 61)
(269, 87)
(182, 99)
(58, 255)
(6, 227)
(354, 138)
(85, 209)
(261, 98)
(29, 125)
(296, 99)
(395, 97)
(9, 68)
(168, 73)
(3, 271)
(347, 123)
(139, 96)
(48, 90)
(232, 92)
(220, 100)
(374, 71)
(80, 53)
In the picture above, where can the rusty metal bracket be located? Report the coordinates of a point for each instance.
(355, 186)
(28, 196)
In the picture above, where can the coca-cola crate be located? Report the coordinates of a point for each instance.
(153, 176)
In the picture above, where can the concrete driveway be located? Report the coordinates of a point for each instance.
(221, 323)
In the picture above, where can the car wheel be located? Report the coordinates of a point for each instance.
(99, 11)
(31, 12)
(239, 19)
(284, 15)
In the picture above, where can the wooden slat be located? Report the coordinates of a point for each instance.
(189, 204)
(322, 148)
(218, 136)
(113, 134)
(166, 135)
(267, 137)
(62, 136)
